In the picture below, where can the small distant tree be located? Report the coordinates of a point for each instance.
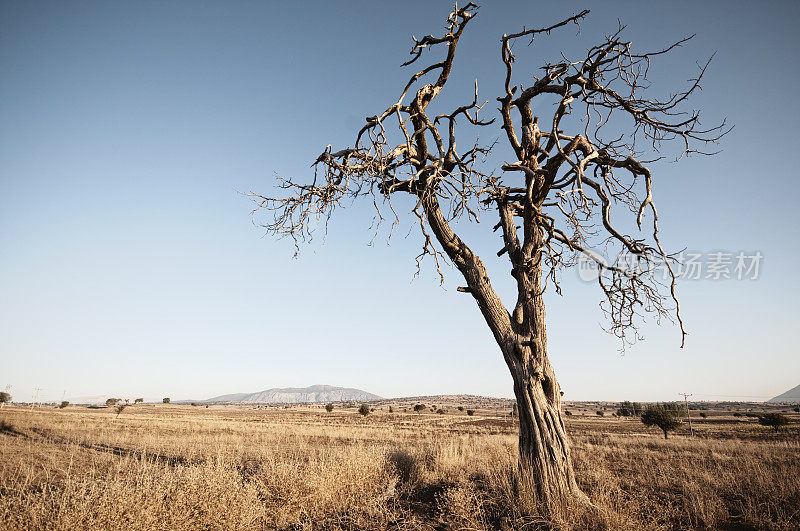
(419, 407)
(703, 415)
(797, 410)
(737, 414)
(63, 404)
(120, 408)
(773, 420)
(600, 413)
(460, 408)
(364, 409)
(328, 407)
(391, 409)
(112, 401)
(662, 416)
(165, 400)
(440, 411)
(629, 409)
(567, 412)
(470, 412)
(514, 411)
(138, 401)
(5, 398)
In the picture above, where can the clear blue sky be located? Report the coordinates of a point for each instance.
(129, 265)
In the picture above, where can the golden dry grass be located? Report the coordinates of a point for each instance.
(173, 467)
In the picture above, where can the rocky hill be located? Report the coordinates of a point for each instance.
(300, 395)
(792, 395)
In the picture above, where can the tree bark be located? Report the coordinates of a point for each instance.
(543, 444)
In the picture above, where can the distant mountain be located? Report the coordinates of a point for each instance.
(235, 397)
(300, 395)
(792, 395)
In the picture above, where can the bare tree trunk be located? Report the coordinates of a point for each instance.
(543, 444)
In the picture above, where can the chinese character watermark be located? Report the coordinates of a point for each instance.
(687, 265)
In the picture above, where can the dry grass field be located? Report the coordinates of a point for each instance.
(183, 467)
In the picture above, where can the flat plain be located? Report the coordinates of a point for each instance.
(183, 467)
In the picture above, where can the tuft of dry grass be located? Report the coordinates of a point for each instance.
(173, 467)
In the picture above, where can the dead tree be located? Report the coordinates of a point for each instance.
(554, 201)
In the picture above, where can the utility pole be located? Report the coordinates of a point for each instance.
(688, 417)
(35, 398)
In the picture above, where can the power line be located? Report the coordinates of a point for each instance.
(732, 396)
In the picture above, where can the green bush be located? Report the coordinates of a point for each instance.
(773, 420)
(364, 409)
(165, 400)
(662, 416)
(629, 409)
(328, 407)
(419, 407)
(470, 412)
(63, 404)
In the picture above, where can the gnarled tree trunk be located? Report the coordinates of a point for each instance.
(544, 448)
(543, 443)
